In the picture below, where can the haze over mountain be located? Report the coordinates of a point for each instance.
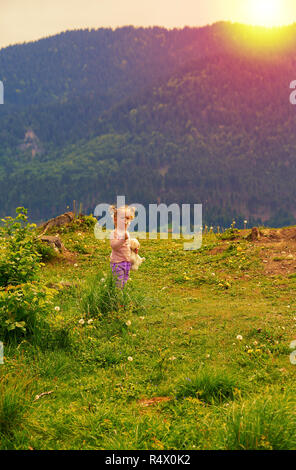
(193, 115)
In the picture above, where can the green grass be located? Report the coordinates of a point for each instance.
(173, 334)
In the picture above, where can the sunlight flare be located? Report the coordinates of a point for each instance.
(266, 13)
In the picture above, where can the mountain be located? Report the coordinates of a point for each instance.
(196, 115)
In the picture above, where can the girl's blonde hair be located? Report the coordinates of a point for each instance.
(129, 211)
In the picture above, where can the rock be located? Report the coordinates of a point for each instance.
(63, 219)
(54, 241)
(254, 235)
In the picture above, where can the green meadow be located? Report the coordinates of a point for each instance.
(194, 355)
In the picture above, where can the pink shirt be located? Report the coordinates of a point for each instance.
(120, 248)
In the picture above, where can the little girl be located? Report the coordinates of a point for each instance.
(120, 244)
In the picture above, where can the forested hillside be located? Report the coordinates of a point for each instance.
(199, 115)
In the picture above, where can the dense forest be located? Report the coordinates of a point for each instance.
(193, 115)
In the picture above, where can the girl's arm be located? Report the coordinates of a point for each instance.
(117, 242)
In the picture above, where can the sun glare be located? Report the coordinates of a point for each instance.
(266, 12)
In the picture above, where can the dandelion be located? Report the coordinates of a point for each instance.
(250, 351)
(81, 321)
(130, 358)
(128, 323)
(57, 309)
(239, 337)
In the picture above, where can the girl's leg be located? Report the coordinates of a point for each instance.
(126, 272)
(121, 273)
(118, 274)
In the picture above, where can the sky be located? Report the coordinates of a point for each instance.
(27, 20)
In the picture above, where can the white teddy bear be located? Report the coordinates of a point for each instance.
(136, 260)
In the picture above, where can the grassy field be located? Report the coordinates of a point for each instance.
(196, 356)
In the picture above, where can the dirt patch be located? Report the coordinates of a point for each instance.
(65, 258)
(280, 234)
(217, 250)
(279, 257)
(153, 401)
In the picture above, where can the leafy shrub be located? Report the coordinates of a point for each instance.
(45, 251)
(23, 309)
(229, 234)
(82, 222)
(19, 259)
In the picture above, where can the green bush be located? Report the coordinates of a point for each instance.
(19, 259)
(23, 309)
(81, 222)
(229, 234)
(45, 251)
